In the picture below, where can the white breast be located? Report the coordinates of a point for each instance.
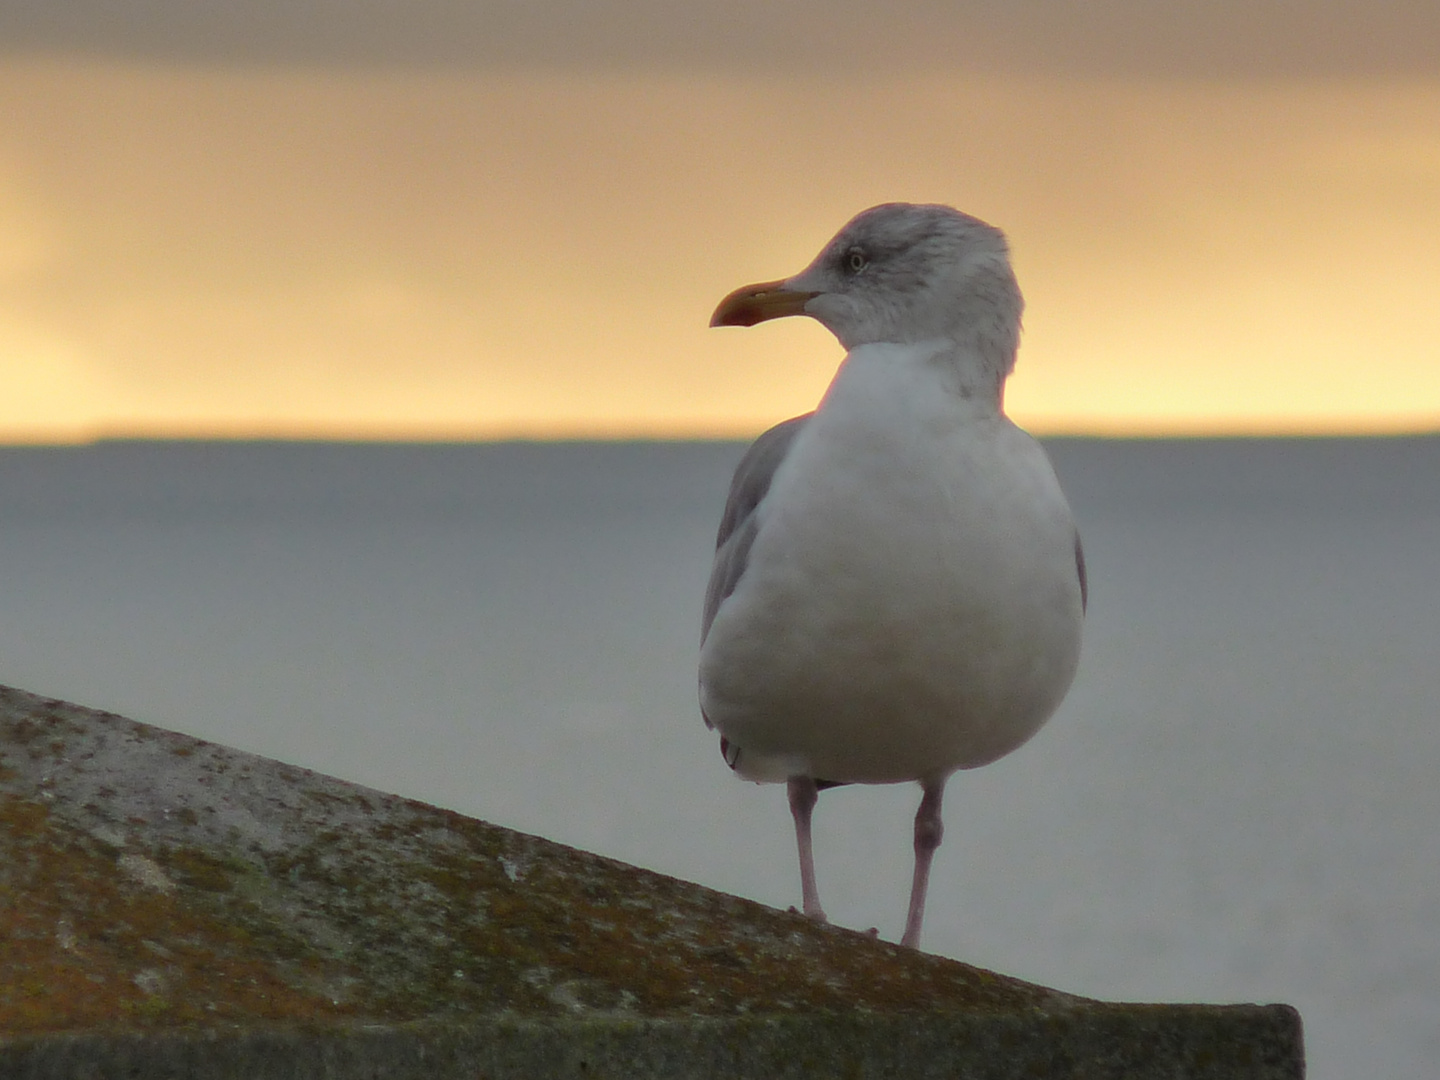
(911, 603)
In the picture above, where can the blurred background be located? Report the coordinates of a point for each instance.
(357, 408)
(446, 219)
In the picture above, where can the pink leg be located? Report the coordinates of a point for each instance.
(928, 832)
(803, 794)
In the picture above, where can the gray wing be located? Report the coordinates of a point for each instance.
(738, 525)
(1080, 568)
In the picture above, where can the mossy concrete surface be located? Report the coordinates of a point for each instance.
(169, 907)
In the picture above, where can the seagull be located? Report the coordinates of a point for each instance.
(898, 586)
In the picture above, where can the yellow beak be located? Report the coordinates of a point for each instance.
(751, 304)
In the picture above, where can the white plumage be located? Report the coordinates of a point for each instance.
(898, 587)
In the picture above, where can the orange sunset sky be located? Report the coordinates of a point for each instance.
(445, 220)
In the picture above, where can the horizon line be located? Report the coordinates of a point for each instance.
(8, 441)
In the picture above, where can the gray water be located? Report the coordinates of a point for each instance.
(1238, 800)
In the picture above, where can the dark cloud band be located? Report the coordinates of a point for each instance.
(1192, 38)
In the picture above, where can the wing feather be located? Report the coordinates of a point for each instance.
(738, 525)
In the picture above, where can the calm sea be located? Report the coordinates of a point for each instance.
(1240, 799)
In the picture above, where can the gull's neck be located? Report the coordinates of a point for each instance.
(954, 376)
(968, 370)
(972, 372)
(971, 356)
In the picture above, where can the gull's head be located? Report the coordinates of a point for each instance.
(901, 273)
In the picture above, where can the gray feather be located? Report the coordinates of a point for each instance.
(1080, 568)
(737, 524)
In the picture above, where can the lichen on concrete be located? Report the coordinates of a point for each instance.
(154, 885)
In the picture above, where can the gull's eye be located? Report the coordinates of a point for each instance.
(856, 260)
